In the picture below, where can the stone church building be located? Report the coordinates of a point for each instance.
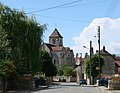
(58, 52)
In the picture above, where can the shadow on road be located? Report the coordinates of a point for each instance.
(54, 85)
(59, 85)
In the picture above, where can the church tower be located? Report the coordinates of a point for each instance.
(55, 38)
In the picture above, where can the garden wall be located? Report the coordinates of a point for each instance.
(114, 84)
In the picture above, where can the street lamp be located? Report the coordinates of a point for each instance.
(90, 60)
(81, 65)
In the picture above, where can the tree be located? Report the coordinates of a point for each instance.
(20, 43)
(47, 66)
(67, 70)
(94, 66)
(60, 72)
(20, 39)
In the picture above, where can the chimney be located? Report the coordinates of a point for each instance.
(97, 51)
(92, 50)
(103, 48)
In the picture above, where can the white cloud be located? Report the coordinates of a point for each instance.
(109, 32)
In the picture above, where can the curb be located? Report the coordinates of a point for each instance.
(26, 90)
(105, 89)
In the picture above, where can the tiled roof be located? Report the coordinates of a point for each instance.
(67, 48)
(117, 58)
(57, 48)
(49, 45)
(56, 34)
(53, 47)
(118, 63)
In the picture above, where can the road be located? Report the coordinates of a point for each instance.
(70, 88)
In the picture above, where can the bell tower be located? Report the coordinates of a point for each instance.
(55, 38)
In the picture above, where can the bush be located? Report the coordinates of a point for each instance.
(7, 69)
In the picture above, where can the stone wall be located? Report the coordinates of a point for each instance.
(71, 79)
(48, 81)
(22, 82)
(114, 84)
(109, 65)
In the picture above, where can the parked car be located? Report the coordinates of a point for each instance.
(103, 82)
(62, 79)
(83, 82)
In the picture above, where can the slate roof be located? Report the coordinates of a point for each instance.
(55, 34)
(104, 52)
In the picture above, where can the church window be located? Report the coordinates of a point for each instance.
(53, 41)
(56, 41)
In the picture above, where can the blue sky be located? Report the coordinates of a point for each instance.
(76, 20)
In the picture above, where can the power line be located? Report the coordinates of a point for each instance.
(66, 5)
(49, 8)
(84, 4)
(112, 7)
(68, 19)
(97, 2)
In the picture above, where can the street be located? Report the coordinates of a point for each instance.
(70, 88)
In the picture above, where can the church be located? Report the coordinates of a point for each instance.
(59, 53)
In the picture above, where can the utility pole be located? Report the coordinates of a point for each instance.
(90, 62)
(81, 64)
(90, 50)
(99, 47)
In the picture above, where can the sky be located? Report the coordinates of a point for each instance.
(77, 21)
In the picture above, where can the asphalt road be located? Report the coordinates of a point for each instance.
(70, 88)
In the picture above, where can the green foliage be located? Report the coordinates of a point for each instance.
(67, 71)
(94, 64)
(87, 66)
(60, 72)
(47, 66)
(20, 39)
(42, 76)
(7, 69)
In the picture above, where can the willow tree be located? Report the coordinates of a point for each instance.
(3, 35)
(22, 39)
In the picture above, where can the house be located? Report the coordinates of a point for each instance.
(58, 52)
(108, 68)
(117, 65)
